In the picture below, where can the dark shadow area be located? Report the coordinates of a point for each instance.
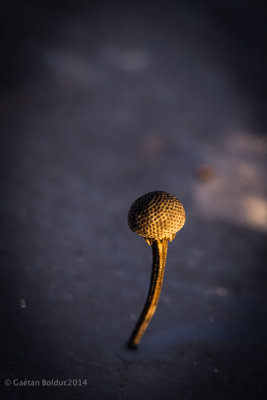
(238, 32)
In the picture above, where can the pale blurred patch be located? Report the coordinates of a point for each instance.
(70, 67)
(237, 193)
(217, 291)
(22, 303)
(255, 211)
(245, 142)
(131, 60)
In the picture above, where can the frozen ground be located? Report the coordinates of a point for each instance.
(102, 104)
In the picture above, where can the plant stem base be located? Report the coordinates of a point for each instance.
(159, 251)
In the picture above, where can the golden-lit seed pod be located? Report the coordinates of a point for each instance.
(156, 216)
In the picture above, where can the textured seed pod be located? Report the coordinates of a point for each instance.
(156, 216)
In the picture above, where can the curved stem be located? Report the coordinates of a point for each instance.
(159, 250)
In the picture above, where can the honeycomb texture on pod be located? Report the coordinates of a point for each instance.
(156, 215)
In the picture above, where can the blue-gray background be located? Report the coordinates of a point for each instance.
(101, 103)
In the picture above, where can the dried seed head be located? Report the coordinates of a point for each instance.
(156, 216)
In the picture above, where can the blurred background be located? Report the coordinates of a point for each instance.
(100, 103)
